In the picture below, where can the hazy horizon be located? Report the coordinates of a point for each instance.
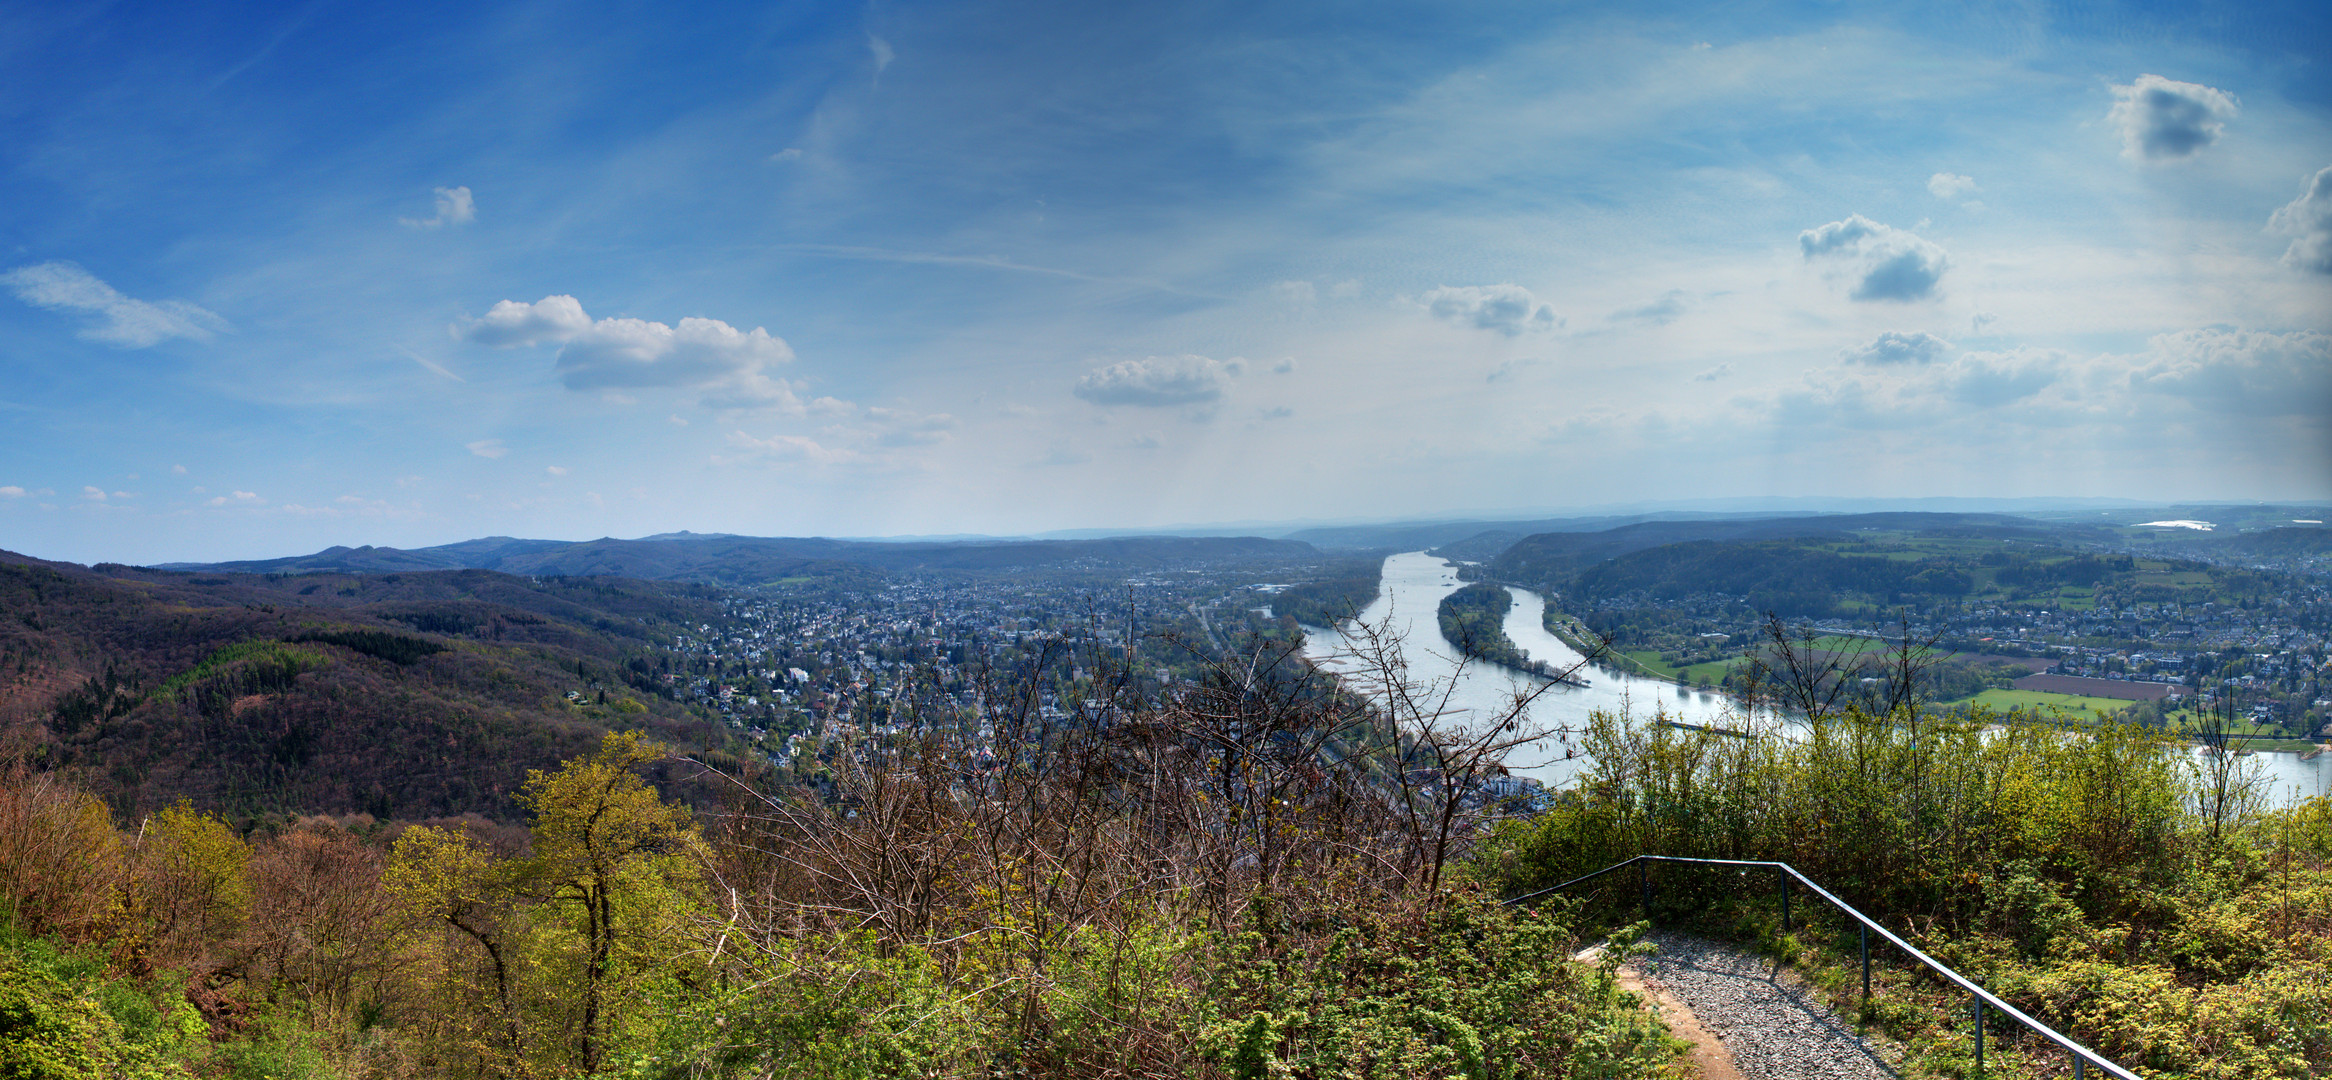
(275, 278)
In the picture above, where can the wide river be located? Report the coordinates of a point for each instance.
(1409, 600)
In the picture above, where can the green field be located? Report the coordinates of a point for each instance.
(2038, 701)
(1647, 661)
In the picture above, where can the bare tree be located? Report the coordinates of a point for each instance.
(2229, 785)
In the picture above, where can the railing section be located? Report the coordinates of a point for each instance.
(1980, 999)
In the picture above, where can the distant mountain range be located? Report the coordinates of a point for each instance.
(752, 560)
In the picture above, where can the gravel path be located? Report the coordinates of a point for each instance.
(1775, 1028)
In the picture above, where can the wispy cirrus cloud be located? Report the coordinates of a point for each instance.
(455, 206)
(118, 320)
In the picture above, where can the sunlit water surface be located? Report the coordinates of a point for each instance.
(1410, 598)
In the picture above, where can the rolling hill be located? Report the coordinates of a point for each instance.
(412, 693)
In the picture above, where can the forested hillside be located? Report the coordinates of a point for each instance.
(413, 694)
(1240, 883)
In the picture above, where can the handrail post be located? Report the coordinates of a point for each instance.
(1644, 878)
(1865, 927)
(2079, 1060)
(1979, 1035)
(1782, 876)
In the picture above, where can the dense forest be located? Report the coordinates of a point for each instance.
(1473, 621)
(1333, 600)
(269, 696)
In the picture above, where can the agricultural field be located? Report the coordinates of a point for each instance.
(2040, 702)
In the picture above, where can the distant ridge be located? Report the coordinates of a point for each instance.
(721, 558)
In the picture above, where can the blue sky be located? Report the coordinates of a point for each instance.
(278, 277)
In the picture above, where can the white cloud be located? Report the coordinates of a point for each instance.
(2240, 373)
(1508, 308)
(791, 153)
(555, 470)
(1888, 263)
(178, 470)
(1898, 348)
(1950, 186)
(487, 448)
(93, 494)
(1990, 380)
(508, 324)
(784, 448)
(2308, 219)
(882, 53)
(11, 491)
(121, 321)
(1158, 381)
(454, 207)
(245, 497)
(731, 368)
(2166, 120)
(1715, 373)
(1295, 293)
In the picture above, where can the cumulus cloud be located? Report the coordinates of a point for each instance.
(1949, 186)
(1891, 347)
(11, 491)
(118, 320)
(487, 448)
(1508, 309)
(730, 368)
(510, 324)
(2240, 372)
(1888, 263)
(1159, 381)
(454, 207)
(1989, 380)
(2166, 120)
(2308, 219)
(245, 498)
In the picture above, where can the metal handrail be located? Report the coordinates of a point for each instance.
(2082, 1055)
